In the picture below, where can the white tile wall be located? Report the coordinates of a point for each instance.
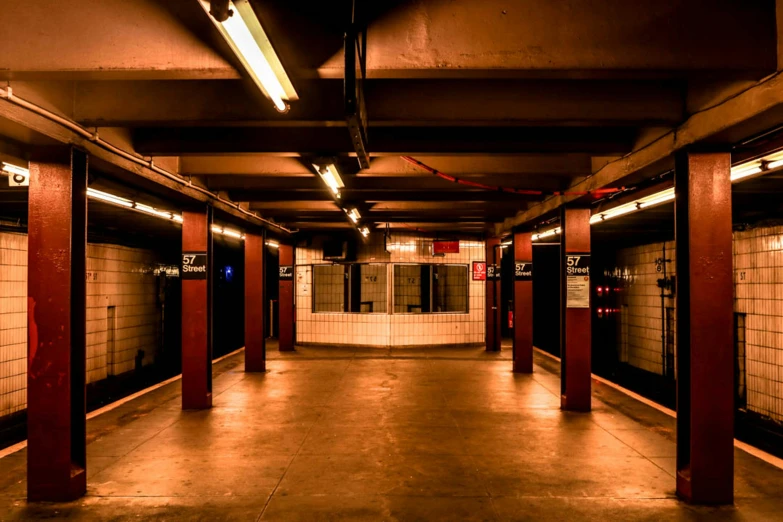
(13, 322)
(758, 293)
(639, 325)
(390, 329)
(116, 276)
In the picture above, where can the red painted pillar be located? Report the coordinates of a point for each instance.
(56, 327)
(523, 302)
(286, 299)
(492, 315)
(255, 309)
(196, 309)
(575, 335)
(705, 351)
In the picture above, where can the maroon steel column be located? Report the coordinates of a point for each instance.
(286, 299)
(705, 351)
(523, 302)
(196, 309)
(575, 337)
(493, 335)
(56, 328)
(255, 310)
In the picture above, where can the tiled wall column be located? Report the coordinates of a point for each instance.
(705, 352)
(575, 335)
(196, 276)
(286, 297)
(493, 335)
(523, 302)
(255, 310)
(57, 253)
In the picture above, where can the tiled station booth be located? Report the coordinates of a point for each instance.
(394, 293)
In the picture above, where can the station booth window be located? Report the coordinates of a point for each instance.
(414, 288)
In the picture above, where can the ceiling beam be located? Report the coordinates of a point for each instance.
(267, 198)
(108, 40)
(414, 102)
(168, 141)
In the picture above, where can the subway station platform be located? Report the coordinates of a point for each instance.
(360, 434)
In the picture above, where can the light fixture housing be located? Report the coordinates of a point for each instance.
(331, 177)
(246, 38)
(353, 215)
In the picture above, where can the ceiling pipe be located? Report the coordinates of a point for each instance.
(9, 95)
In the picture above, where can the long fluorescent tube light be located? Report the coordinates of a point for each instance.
(133, 205)
(109, 198)
(11, 169)
(272, 244)
(549, 233)
(247, 39)
(331, 177)
(217, 229)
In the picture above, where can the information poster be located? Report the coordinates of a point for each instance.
(577, 281)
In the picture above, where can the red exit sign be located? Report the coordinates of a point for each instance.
(445, 247)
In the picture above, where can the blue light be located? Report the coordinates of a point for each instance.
(229, 273)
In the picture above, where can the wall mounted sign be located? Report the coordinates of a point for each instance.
(18, 179)
(493, 272)
(287, 272)
(577, 272)
(445, 247)
(523, 271)
(194, 265)
(479, 271)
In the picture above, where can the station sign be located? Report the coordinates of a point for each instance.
(479, 271)
(194, 265)
(577, 272)
(493, 272)
(523, 271)
(445, 247)
(286, 272)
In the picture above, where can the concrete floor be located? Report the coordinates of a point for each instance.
(343, 434)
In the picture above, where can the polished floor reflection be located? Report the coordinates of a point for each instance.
(352, 434)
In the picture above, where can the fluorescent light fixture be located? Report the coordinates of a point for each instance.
(227, 232)
(331, 177)
(744, 171)
(133, 205)
(658, 198)
(549, 233)
(273, 244)
(247, 39)
(11, 170)
(353, 215)
(505, 243)
(364, 231)
(775, 164)
(149, 210)
(233, 233)
(109, 198)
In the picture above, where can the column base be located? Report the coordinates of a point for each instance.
(522, 367)
(578, 405)
(197, 403)
(71, 489)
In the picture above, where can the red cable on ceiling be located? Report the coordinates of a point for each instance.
(511, 190)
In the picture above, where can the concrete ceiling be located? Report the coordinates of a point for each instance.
(542, 96)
